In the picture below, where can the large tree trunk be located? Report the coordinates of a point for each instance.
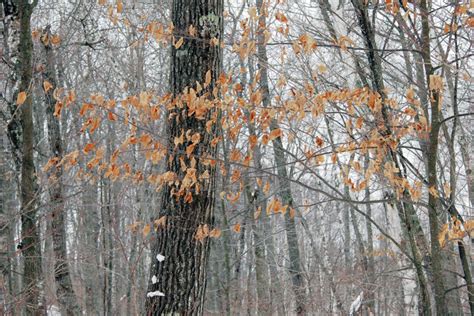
(181, 276)
(64, 290)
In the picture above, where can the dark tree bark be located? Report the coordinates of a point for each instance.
(64, 290)
(181, 276)
(30, 244)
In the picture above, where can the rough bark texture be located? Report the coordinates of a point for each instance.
(182, 275)
(30, 244)
(64, 290)
(11, 37)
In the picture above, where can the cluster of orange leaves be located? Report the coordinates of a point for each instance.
(137, 110)
(454, 230)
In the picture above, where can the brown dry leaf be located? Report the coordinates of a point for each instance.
(51, 162)
(47, 86)
(192, 30)
(161, 222)
(252, 141)
(442, 235)
(281, 17)
(266, 188)
(196, 138)
(235, 176)
(275, 133)
(111, 116)
(237, 228)
(208, 79)
(146, 230)
(179, 43)
(57, 109)
(215, 233)
(232, 198)
(119, 7)
(21, 98)
(179, 140)
(319, 141)
(55, 39)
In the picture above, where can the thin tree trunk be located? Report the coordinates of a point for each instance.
(5, 225)
(433, 201)
(276, 290)
(261, 270)
(280, 161)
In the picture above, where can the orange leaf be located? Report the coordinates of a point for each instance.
(292, 212)
(192, 30)
(57, 109)
(202, 232)
(235, 155)
(146, 230)
(178, 44)
(21, 98)
(232, 198)
(161, 222)
(208, 79)
(281, 17)
(275, 133)
(179, 140)
(196, 138)
(85, 107)
(55, 40)
(237, 228)
(190, 149)
(319, 141)
(215, 233)
(111, 116)
(235, 176)
(442, 235)
(119, 6)
(252, 141)
(47, 86)
(266, 188)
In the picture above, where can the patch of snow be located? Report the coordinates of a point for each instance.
(356, 304)
(160, 257)
(53, 310)
(156, 293)
(154, 279)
